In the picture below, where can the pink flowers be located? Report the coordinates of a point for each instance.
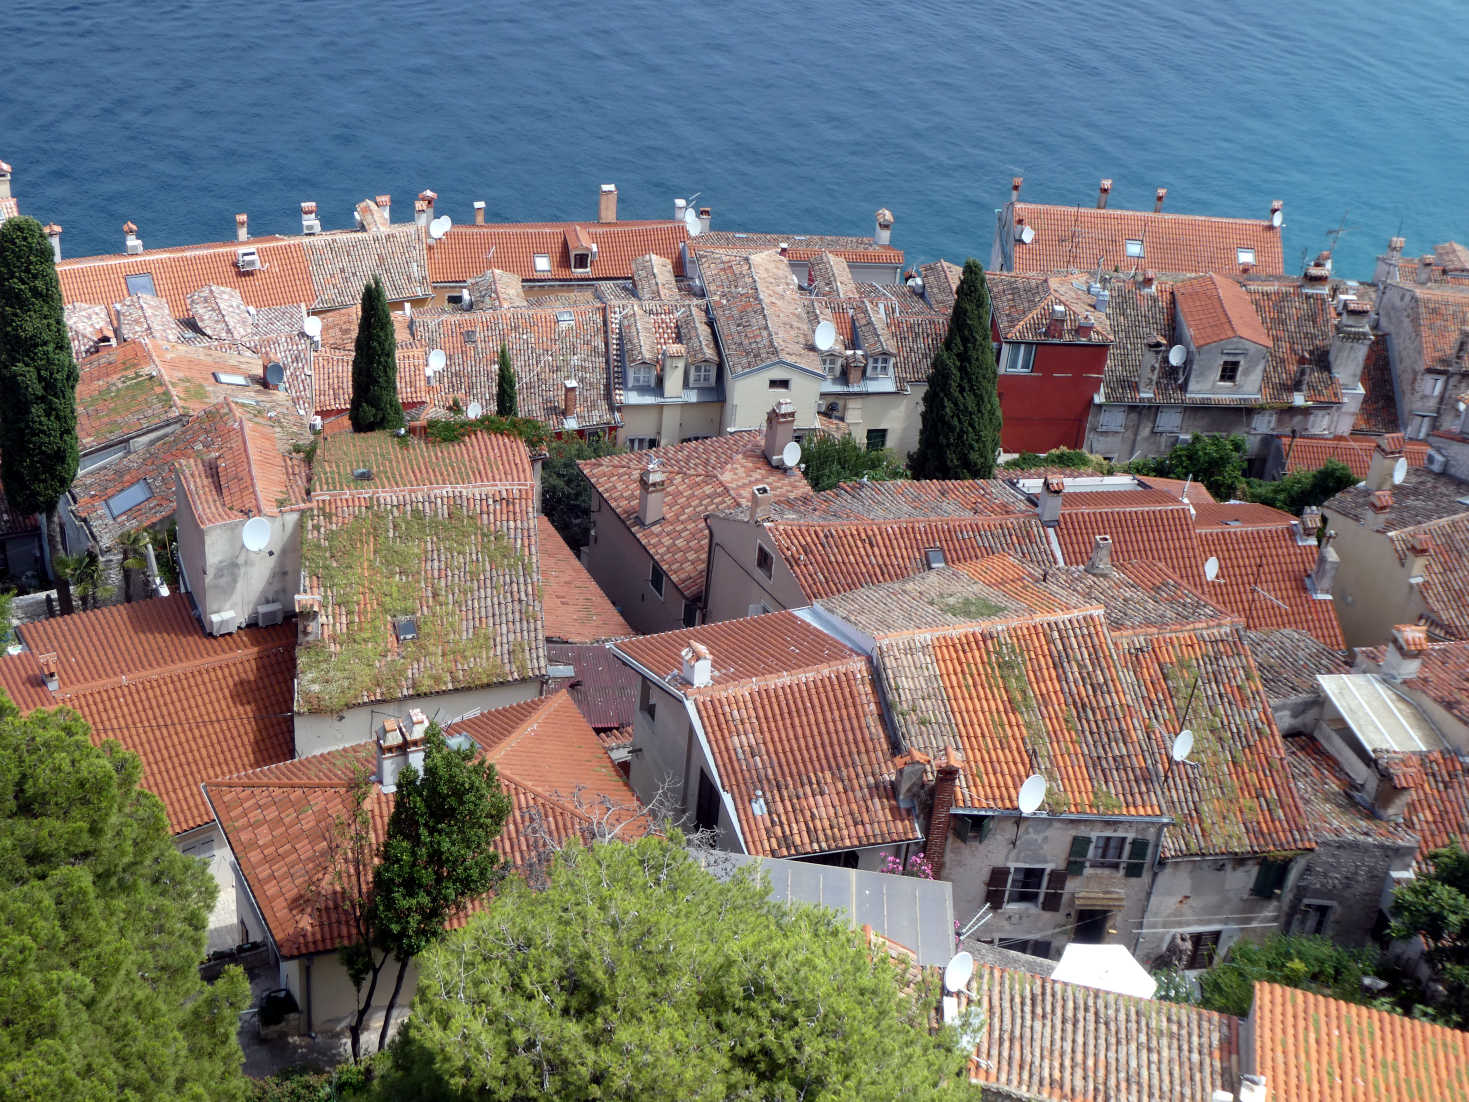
(917, 866)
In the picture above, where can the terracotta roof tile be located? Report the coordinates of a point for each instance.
(760, 315)
(576, 609)
(480, 459)
(854, 250)
(741, 650)
(1438, 810)
(1420, 499)
(1379, 409)
(902, 500)
(1445, 586)
(941, 283)
(246, 477)
(468, 251)
(1326, 798)
(1216, 310)
(1023, 309)
(1289, 660)
(653, 277)
(1444, 677)
(1262, 577)
(341, 264)
(120, 391)
(1311, 452)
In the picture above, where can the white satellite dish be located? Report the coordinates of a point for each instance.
(1032, 792)
(440, 226)
(790, 455)
(1211, 568)
(1027, 235)
(437, 359)
(958, 971)
(475, 411)
(256, 534)
(691, 221)
(1183, 745)
(1277, 218)
(1177, 355)
(826, 336)
(312, 328)
(1399, 470)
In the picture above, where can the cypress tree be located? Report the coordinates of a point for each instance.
(959, 435)
(375, 402)
(506, 404)
(38, 378)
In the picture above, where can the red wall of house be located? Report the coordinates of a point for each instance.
(1048, 408)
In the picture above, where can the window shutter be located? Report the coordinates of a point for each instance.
(994, 892)
(1270, 879)
(1081, 845)
(1055, 885)
(1137, 857)
(984, 826)
(960, 827)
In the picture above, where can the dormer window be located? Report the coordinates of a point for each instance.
(701, 374)
(1229, 371)
(580, 262)
(640, 375)
(880, 367)
(1135, 247)
(832, 365)
(542, 263)
(1244, 256)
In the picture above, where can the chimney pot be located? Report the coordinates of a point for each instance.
(1420, 550)
(1381, 501)
(785, 248)
(1048, 501)
(652, 482)
(479, 212)
(1084, 326)
(4, 180)
(1015, 182)
(1158, 197)
(883, 234)
(946, 778)
(309, 221)
(780, 430)
(1323, 574)
(131, 242)
(1277, 206)
(242, 227)
(706, 219)
(1150, 279)
(568, 398)
(759, 503)
(50, 670)
(1100, 562)
(607, 203)
(53, 231)
(1104, 189)
(680, 207)
(1395, 246)
(385, 204)
(698, 666)
(1056, 324)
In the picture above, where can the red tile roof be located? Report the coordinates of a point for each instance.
(1326, 791)
(1444, 677)
(248, 476)
(853, 250)
(755, 647)
(1310, 1048)
(120, 392)
(1080, 238)
(412, 463)
(1445, 586)
(703, 476)
(1379, 409)
(1438, 809)
(469, 251)
(1311, 452)
(1216, 310)
(576, 609)
(278, 821)
(604, 689)
(1262, 577)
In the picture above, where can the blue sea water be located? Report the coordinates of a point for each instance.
(784, 116)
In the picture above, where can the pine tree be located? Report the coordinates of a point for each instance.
(959, 435)
(506, 404)
(375, 402)
(38, 378)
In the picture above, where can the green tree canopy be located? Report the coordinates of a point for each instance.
(375, 402)
(959, 435)
(829, 460)
(635, 974)
(1310, 963)
(1302, 488)
(1217, 461)
(566, 495)
(1436, 906)
(38, 378)
(102, 928)
(506, 404)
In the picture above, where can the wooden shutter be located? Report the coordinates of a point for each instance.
(1055, 885)
(994, 892)
(1081, 845)
(960, 827)
(1137, 857)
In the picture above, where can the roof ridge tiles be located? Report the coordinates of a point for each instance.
(776, 677)
(159, 673)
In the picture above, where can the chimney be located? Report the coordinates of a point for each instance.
(1384, 459)
(429, 197)
(1323, 574)
(1350, 340)
(698, 666)
(1420, 550)
(1158, 199)
(652, 482)
(1152, 363)
(385, 205)
(568, 398)
(1395, 246)
(780, 430)
(53, 231)
(309, 222)
(675, 360)
(1084, 326)
(422, 212)
(759, 503)
(479, 212)
(883, 234)
(1396, 777)
(1307, 526)
(242, 227)
(706, 219)
(1015, 182)
(1100, 563)
(784, 248)
(50, 668)
(946, 778)
(856, 366)
(1104, 190)
(1048, 501)
(417, 729)
(131, 242)
(1056, 325)
(1150, 281)
(1381, 501)
(1424, 273)
(392, 753)
(607, 203)
(1403, 656)
(1315, 279)
(4, 180)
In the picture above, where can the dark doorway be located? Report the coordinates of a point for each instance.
(706, 810)
(1091, 926)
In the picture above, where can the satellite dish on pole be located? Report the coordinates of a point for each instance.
(826, 336)
(1178, 355)
(256, 534)
(790, 455)
(440, 226)
(958, 971)
(1277, 218)
(312, 328)
(275, 373)
(1399, 470)
(437, 359)
(1211, 568)
(691, 221)
(1032, 792)
(475, 411)
(1183, 745)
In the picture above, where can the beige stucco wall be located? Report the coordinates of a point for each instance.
(1203, 894)
(750, 397)
(332, 1001)
(223, 576)
(671, 422)
(735, 583)
(899, 414)
(621, 566)
(1372, 592)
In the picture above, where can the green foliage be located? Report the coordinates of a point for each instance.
(566, 495)
(347, 1083)
(449, 429)
(38, 376)
(636, 974)
(959, 436)
(1066, 458)
(375, 402)
(1310, 963)
(505, 402)
(1436, 906)
(1217, 461)
(830, 460)
(1302, 488)
(1174, 986)
(102, 928)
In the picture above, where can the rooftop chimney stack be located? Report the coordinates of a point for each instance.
(883, 234)
(392, 754)
(759, 503)
(1350, 340)
(479, 212)
(1381, 501)
(1323, 574)
(675, 360)
(1084, 326)
(1104, 191)
(946, 778)
(1015, 182)
(1385, 457)
(309, 222)
(1307, 526)
(607, 203)
(1158, 198)
(698, 666)
(53, 231)
(706, 219)
(1056, 324)
(784, 248)
(780, 430)
(4, 180)
(1150, 282)
(50, 671)
(1100, 562)
(242, 227)
(1048, 501)
(1277, 206)
(1424, 271)
(1403, 656)
(680, 208)
(652, 482)
(1420, 550)
(568, 398)
(1152, 364)
(385, 205)
(132, 244)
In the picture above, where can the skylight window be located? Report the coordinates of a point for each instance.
(1134, 247)
(1245, 256)
(405, 628)
(229, 378)
(140, 284)
(542, 263)
(564, 317)
(130, 498)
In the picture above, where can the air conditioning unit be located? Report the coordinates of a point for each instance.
(248, 260)
(310, 225)
(224, 623)
(269, 614)
(1435, 461)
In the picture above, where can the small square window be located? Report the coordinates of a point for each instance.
(1245, 256)
(780, 384)
(690, 614)
(580, 262)
(140, 284)
(1228, 372)
(934, 557)
(763, 561)
(130, 498)
(542, 263)
(1134, 246)
(1019, 359)
(405, 628)
(655, 579)
(701, 375)
(877, 439)
(640, 375)
(880, 367)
